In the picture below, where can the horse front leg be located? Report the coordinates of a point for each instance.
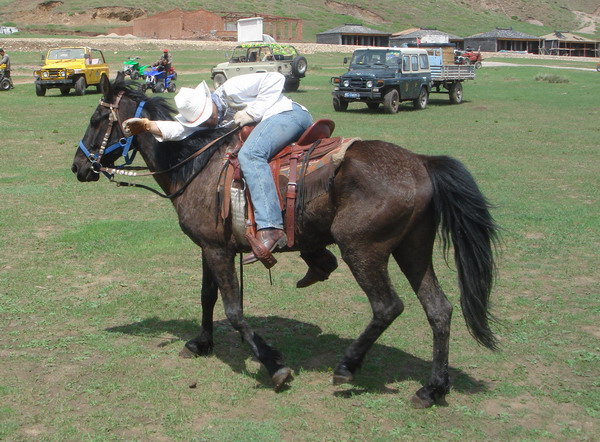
(202, 344)
(221, 265)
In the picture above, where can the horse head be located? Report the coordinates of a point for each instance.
(104, 141)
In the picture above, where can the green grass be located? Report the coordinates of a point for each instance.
(99, 288)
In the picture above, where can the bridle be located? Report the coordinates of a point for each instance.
(124, 142)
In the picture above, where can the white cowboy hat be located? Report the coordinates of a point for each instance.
(195, 106)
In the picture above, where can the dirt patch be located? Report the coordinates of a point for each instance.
(355, 11)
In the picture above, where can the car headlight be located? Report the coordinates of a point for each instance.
(369, 83)
(45, 74)
(63, 74)
(346, 83)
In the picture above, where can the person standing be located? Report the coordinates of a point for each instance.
(5, 60)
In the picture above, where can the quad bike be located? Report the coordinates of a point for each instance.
(134, 69)
(598, 67)
(468, 57)
(159, 80)
(5, 82)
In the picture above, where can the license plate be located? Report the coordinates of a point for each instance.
(351, 95)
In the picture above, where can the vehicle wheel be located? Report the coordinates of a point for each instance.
(40, 90)
(219, 79)
(144, 87)
(373, 106)
(291, 85)
(455, 91)
(80, 86)
(172, 87)
(135, 75)
(339, 105)
(4, 84)
(421, 102)
(391, 102)
(65, 90)
(159, 88)
(478, 65)
(299, 66)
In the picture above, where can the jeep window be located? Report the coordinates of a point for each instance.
(66, 54)
(406, 63)
(424, 59)
(97, 57)
(392, 58)
(415, 62)
(368, 59)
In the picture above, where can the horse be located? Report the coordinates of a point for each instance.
(383, 201)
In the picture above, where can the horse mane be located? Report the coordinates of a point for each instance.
(170, 153)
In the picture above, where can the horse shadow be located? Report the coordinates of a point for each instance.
(305, 347)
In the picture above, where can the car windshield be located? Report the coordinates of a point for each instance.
(375, 59)
(66, 54)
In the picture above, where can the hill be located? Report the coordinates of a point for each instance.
(460, 17)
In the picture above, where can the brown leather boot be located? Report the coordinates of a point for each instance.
(266, 241)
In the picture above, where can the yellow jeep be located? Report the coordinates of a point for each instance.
(71, 67)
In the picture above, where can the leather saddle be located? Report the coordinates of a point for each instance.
(304, 167)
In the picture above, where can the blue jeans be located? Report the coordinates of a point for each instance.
(266, 140)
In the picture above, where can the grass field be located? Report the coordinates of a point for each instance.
(99, 288)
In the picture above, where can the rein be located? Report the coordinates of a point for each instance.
(125, 144)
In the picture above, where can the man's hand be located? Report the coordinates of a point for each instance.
(135, 126)
(242, 118)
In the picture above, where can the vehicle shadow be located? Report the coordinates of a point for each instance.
(305, 347)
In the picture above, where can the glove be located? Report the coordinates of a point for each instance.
(242, 118)
(135, 126)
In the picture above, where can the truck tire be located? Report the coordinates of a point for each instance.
(339, 105)
(40, 90)
(291, 85)
(391, 102)
(80, 86)
(219, 79)
(421, 101)
(299, 66)
(455, 92)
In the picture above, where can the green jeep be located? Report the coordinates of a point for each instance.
(249, 58)
(71, 67)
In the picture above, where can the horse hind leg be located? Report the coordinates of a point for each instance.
(370, 271)
(419, 271)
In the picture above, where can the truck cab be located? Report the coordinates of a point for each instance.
(385, 76)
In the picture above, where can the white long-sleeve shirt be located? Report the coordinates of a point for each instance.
(261, 95)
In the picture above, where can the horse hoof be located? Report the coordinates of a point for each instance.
(420, 402)
(186, 353)
(280, 377)
(193, 349)
(342, 375)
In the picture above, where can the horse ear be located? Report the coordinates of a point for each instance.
(105, 86)
(120, 76)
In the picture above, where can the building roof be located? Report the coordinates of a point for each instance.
(505, 33)
(350, 28)
(422, 32)
(567, 36)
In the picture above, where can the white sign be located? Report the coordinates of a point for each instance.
(250, 29)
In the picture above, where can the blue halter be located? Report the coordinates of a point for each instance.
(123, 143)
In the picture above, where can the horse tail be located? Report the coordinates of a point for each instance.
(463, 216)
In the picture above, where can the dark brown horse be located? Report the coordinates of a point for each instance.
(384, 200)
